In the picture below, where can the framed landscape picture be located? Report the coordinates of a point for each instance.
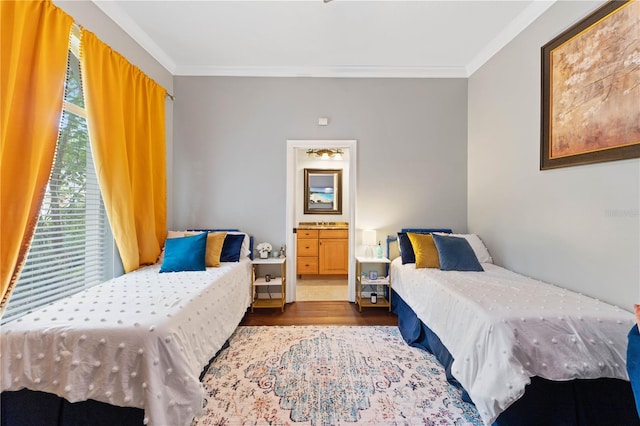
(322, 191)
(591, 89)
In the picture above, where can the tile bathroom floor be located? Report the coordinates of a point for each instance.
(321, 290)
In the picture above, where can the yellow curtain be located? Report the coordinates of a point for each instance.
(34, 42)
(126, 121)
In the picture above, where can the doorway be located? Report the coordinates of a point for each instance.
(296, 152)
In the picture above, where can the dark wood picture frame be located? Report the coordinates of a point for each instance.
(594, 115)
(322, 191)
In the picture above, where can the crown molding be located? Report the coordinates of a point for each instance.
(515, 27)
(128, 25)
(347, 71)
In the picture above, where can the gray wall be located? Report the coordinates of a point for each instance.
(577, 227)
(230, 149)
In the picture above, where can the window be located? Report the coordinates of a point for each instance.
(72, 247)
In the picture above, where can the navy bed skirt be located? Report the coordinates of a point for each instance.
(596, 402)
(32, 408)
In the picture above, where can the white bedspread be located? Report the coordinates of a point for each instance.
(503, 328)
(139, 340)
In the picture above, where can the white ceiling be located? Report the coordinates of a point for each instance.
(341, 38)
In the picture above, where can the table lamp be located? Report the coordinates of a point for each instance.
(369, 241)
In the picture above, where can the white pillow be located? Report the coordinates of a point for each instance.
(170, 234)
(476, 244)
(175, 234)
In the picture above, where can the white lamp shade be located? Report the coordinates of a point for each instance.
(369, 237)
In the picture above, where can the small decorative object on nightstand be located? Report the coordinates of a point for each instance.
(372, 290)
(268, 290)
(264, 249)
(379, 250)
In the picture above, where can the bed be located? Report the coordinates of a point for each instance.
(138, 341)
(523, 351)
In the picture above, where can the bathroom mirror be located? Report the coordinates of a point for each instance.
(322, 191)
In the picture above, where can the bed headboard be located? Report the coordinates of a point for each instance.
(228, 230)
(392, 247)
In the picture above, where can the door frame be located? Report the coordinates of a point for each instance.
(292, 146)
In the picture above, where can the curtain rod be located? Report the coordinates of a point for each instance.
(76, 31)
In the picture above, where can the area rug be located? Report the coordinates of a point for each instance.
(333, 375)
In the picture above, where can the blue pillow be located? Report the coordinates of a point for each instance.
(633, 363)
(406, 249)
(456, 254)
(231, 248)
(185, 254)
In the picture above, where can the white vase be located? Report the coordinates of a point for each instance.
(264, 254)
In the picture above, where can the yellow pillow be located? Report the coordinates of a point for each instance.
(425, 250)
(215, 240)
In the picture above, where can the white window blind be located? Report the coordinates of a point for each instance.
(72, 246)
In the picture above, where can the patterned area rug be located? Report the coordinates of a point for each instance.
(328, 376)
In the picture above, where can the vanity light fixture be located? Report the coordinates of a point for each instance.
(325, 154)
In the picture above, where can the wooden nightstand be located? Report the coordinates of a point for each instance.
(365, 285)
(272, 293)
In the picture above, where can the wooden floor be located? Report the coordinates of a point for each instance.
(320, 313)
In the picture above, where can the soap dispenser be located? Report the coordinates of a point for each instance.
(379, 250)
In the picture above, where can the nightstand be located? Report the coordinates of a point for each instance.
(381, 285)
(271, 293)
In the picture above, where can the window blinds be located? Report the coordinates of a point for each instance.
(69, 248)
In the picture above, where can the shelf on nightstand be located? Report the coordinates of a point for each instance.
(274, 281)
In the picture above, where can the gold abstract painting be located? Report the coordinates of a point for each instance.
(593, 88)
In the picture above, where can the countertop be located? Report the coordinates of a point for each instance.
(323, 225)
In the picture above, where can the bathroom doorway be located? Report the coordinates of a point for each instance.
(308, 287)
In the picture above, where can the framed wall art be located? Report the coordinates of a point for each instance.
(322, 191)
(591, 89)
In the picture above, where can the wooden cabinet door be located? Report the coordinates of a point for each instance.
(334, 256)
